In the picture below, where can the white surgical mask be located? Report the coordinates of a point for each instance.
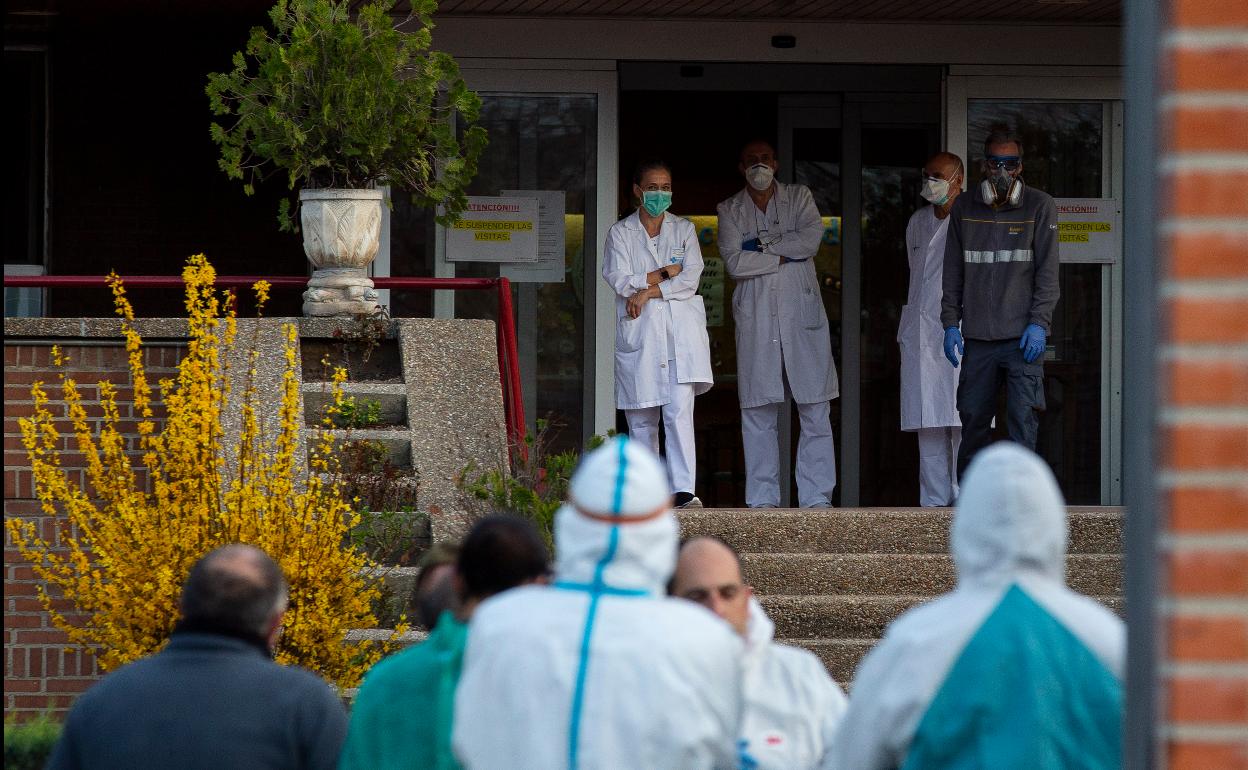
(759, 176)
(935, 191)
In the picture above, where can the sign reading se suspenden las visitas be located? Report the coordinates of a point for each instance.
(1089, 229)
(494, 229)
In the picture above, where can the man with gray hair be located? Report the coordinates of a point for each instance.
(213, 697)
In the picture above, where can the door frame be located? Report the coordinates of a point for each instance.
(596, 78)
(1066, 84)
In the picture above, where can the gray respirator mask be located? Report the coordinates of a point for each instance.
(1000, 188)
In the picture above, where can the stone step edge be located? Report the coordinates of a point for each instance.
(355, 388)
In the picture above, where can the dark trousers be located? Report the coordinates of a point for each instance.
(985, 365)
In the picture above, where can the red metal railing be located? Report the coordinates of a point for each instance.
(508, 360)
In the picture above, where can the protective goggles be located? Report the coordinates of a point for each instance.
(1007, 162)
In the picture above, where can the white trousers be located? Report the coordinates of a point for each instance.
(938, 459)
(677, 416)
(816, 454)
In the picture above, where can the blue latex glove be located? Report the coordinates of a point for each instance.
(1032, 342)
(953, 342)
(750, 245)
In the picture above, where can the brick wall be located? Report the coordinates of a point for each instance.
(1203, 261)
(41, 668)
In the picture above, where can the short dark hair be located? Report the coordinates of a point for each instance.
(431, 598)
(653, 164)
(235, 586)
(1002, 134)
(758, 140)
(501, 552)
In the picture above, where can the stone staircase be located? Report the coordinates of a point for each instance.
(833, 579)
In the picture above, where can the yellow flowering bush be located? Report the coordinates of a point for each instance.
(130, 543)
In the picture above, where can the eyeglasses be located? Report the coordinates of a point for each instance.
(1007, 162)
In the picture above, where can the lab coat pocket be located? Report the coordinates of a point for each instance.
(629, 334)
(813, 316)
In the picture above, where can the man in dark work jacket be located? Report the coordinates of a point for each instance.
(1001, 283)
(213, 697)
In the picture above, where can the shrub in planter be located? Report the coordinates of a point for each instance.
(331, 100)
(28, 745)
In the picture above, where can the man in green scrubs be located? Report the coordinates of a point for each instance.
(402, 715)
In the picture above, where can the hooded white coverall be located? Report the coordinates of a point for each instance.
(784, 347)
(929, 385)
(792, 706)
(1010, 670)
(662, 357)
(601, 669)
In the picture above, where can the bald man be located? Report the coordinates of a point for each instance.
(929, 385)
(792, 706)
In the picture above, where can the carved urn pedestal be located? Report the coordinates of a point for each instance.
(341, 235)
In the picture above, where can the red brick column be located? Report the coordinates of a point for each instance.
(1203, 414)
(41, 668)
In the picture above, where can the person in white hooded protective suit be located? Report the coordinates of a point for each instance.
(792, 706)
(768, 236)
(929, 386)
(1010, 670)
(600, 669)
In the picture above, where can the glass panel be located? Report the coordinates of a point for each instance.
(1063, 142)
(892, 163)
(817, 164)
(1063, 147)
(23, 157)
(540, 142)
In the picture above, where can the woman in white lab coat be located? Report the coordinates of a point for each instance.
(662, 351)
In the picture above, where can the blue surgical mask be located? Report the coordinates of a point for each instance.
(655, 202)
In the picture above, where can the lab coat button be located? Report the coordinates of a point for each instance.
(662, 366)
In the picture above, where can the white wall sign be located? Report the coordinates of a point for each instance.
(1089, 229)
(494, 229)
(550, 266)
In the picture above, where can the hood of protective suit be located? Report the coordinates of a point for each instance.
(1010, 520)
(759, 632)
(617, 528)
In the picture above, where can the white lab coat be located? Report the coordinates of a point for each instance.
(929, 385)
(662, 685)
(1009, 533)
(672, 327)
(778, 306)
(792, 706)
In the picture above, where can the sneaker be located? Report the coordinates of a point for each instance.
(686, 500)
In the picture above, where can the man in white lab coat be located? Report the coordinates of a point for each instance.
(792, 706)
(768, 235)
(929, 386)
(1011, 669)
(600, 669)
(662, 351)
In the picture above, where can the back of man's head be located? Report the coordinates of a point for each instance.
(500, 552)
(235, 588)
(435, 590)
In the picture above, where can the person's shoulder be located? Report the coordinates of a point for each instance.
(622, 225)
(682, 224)
(793, 190)
(731, 203)
(1037, 197)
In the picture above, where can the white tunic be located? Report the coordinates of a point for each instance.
(792, 706)
(929, 385)
(778, 306)
(672, 327)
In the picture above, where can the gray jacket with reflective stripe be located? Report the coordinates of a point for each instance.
(1000, 266)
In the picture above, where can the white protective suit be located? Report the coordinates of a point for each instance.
(784, 347)
(670, 328)
(601, 669)
(1011, 669)
(792, 706)
(929, 385)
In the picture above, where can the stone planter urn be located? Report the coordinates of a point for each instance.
(341, 235)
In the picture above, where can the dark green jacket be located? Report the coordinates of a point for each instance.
(403, 712)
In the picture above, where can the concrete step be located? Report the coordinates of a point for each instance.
(898, 574)
(839, 656)
(872, 530)
(394, 444)
(391, 401)
(849, 617)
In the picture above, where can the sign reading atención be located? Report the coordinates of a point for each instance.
(494, 229)
(1089, 229)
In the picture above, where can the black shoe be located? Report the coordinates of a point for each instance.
(686, 500)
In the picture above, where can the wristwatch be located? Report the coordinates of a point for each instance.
(663, 273)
